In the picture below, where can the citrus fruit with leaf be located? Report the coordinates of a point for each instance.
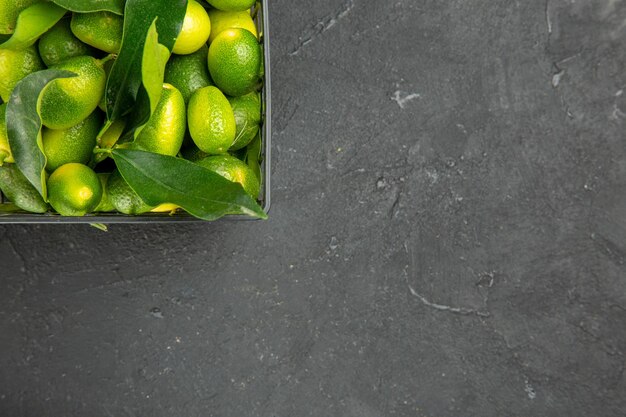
(66, 102)
(74, 190)
(188, 72)
(232, 5)
(222, 20)
(15, 65)
(102, 30)
(59, 44)
(9, 11)
(234, 61)
(5, 150)
(247, 110)
(19, 190)
(233, 170)
(211, 120)
(195, 31)
(165, 130)
(75, 144)
(104, 205)
(123, 198)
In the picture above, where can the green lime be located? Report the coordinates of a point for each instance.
(74, 190)
(9, 11)
(59, 44)
(5, 150)
(123, 198)
(65, 102)
(211, 120)
(195, 31)
(232, 5)
(234, 61)
(233, 170)
(189, 72)
(247, 110)
(165, 130)
(102, 30)
(221, 20)
(75, 144)
(105, 205)
(20, 191)
(15, 65)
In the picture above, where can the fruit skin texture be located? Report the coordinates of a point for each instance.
(74, 190)
(165, 130)
(233, 170)
(9, 11)
(221, 20)
(62, 146)
(102, 30)
(188, 72)
(5, 150)
(195, 31)
(60, 44)
(232, 5)
(123, 198)
(234, 61)
(247, 110)
(211, 120)
(20, 191)
(65, 102)
(15, 65)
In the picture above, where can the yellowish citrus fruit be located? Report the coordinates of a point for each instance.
(74, 190)
(65, 102)
(232, 5)
(123, 198)
(165, 208)
(62, 146)
(188, 72)
(9, 11)
(234, 61)
(195, 31)
(102, 30)
(233, 170)
(5, 150)
(221, 20)
(59, 44)
(15, 65)
(211, 120)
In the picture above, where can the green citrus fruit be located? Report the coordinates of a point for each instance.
(232, 5)
(195, 31)
(102, 30)
(165, 130)
(189, 72)
(62, 146)
(59, 44)
(108, 64)
(20, 191)
(65, 102)
(233, 170)
(123, 198)
(104, 205)
(234, 61)
(211, 120)
(9, 11)
(15, 65)
(74, 190)
(247, 110)
(221, 20)
(5, 150)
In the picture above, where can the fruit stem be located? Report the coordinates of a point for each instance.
(108, 58)
(102, 150)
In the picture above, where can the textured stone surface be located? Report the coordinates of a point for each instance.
(447, 238)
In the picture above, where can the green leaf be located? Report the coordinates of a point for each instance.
(87, 6)
(24, 125)
(124, 82)
(33, 22)
(253, 156)
(204, 194)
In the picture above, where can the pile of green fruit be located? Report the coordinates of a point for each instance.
(130, 106)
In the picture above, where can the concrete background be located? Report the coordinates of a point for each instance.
(447, 237)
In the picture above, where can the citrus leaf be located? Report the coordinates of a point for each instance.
(125, 80)
(202, 193)
(24, 125)
(33, 22)
(87, 6)
(253, 156)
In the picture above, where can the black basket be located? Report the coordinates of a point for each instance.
(260, 14)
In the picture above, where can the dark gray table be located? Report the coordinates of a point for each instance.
(447, 238)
